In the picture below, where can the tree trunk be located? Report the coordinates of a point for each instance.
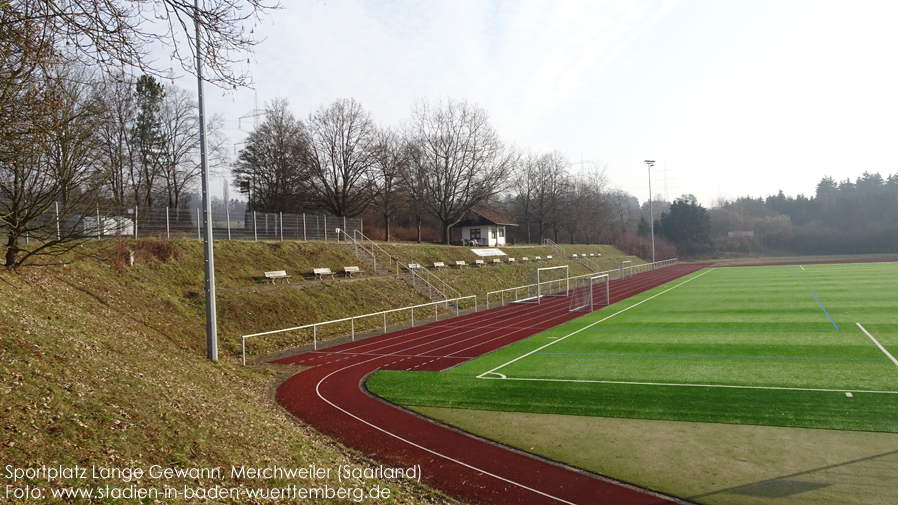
(386, 227)
(12, 250)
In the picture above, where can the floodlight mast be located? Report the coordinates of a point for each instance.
(211, 320)
(651, 163)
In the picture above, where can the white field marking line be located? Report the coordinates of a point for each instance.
(534, 315)
(426, 332)
(801, 267)
(881, 348)
(593, 324)
(686, 385)
(431, 451)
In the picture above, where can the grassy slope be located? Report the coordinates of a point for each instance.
(105, 365)
(853, 293)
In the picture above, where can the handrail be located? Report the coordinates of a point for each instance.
(400, 265)
(613, 274)
(352, 319)
(557, 249)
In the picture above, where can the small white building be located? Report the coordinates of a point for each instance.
(483, 228)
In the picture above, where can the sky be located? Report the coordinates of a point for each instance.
(729, 98)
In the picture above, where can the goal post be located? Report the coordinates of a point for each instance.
(552, 281)
(587, 293)
(549, 282)
(626, 269)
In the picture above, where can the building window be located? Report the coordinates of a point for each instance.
(474, 234)
(502, 232)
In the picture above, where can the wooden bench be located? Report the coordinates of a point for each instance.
(438, 265)
(321, 272)
(574, 255)
(591, 255)
(525, 258)
(414, 266)
(497, 261)
(549, 257)
(479, 263)
(538, 258)
(348, 271)
(277, 274)
(460, 264)
(511, 260)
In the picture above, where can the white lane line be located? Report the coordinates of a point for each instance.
(687, 385)
(881, 348)
(481, 376)
(431, 451)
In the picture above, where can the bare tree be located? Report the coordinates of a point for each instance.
(548, 199)
(117, 154)
(271, 166)
(387, 191)
(341, 157)
(116, 34)
(457, 157)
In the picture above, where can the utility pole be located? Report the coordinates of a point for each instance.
(651, 163)
(211, 318)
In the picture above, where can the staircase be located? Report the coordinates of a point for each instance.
(421, 280)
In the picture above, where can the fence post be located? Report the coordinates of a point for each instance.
(352, 323)
(228, 219)
(304, 227)
(385, 323)
(99, 228)
(325, 231)
(135, 221)
(58, 236)
(255, 232)
(199, 231)
(413, 316)
(281, 214)
(167, 227)
(315, 337)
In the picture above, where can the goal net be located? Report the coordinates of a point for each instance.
(546, 282)
(587, 293)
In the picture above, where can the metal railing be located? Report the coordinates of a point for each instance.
(555, 248)
(515, 293)
(427, 278)
(352, 320)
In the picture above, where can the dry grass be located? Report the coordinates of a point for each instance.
(102, 364)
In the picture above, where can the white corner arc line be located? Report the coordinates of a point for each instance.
(881, 348)
(493, 371)
(431, 451)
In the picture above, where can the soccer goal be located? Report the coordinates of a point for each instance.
(626, 269)
(587, 293)
(550, 281)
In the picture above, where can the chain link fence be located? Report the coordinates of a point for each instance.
(168, 223)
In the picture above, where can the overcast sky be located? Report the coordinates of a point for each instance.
(730, 98)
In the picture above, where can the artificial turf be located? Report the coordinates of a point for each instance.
(778, 346)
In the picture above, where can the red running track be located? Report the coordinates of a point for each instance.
(332, 398)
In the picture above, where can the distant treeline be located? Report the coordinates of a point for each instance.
(843, 217)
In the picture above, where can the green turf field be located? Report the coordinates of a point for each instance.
(774, 346)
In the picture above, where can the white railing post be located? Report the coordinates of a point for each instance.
(281, 214)
(135, 221)
(255, 232)
(304, 226)
(199, 225)
(228, 219)
(315, 337)
(167, 226)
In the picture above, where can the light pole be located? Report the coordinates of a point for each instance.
(651, 163)
(211, 318)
